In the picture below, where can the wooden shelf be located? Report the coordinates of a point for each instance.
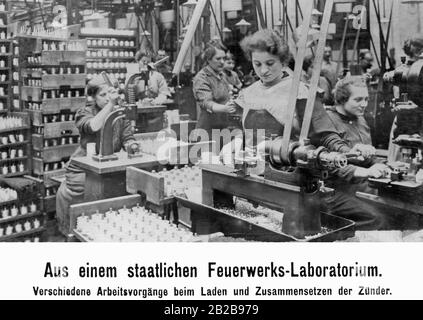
(100, 69)
(14, 159)
(14, 129)
(5, 203)
(111, 58)
(106, 36)
(20, 217)
(16, 174)
(22, 234)
(91, 48)
(9, 145)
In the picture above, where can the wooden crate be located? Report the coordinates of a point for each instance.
(52, 106)
(55, 58)
(59, 129)
(55, 81)
(149, 183)
(54, 154)
(38, 168)
(29, 93)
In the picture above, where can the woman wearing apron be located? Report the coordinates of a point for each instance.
(265, 102)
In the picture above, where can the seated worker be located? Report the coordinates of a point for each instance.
(164, 68)
(323, 84)
(230, 75)
(265, 102)
(347, 115)
(152, 87)
(89, 120)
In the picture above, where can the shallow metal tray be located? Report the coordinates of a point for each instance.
(231, 226)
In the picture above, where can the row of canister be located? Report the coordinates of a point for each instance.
(110, 43)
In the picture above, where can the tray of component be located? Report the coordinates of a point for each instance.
(124, 221)
(256, 223)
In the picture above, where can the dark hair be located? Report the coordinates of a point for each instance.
(268, 41)
(308, 61)
(92, 91)
(342, 91)
(416, 44)
(139, 55)
(211, 49)
(95, 84)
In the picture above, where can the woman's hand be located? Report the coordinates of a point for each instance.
(113, 95)
(224, 108)
(365, 150)
(133, 148)
(377, 171)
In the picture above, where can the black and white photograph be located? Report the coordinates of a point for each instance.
(263, 125)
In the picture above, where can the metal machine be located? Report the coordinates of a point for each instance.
(294, 170)
(404, 183)
(125, 110)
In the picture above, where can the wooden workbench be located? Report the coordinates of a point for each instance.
(108, 179)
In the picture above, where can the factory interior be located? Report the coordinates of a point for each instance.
(211, 121)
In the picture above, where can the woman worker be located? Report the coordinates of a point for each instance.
(347, 115)
(89, 120)
(212, 92)
(152, 87)
(265, 102)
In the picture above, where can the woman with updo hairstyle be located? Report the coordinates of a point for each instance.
(212, 92)
(101, 101)
(265, 102)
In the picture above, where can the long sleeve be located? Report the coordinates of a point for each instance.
(203, 92)
(333, 142)
(82, 119)
(322, 131)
